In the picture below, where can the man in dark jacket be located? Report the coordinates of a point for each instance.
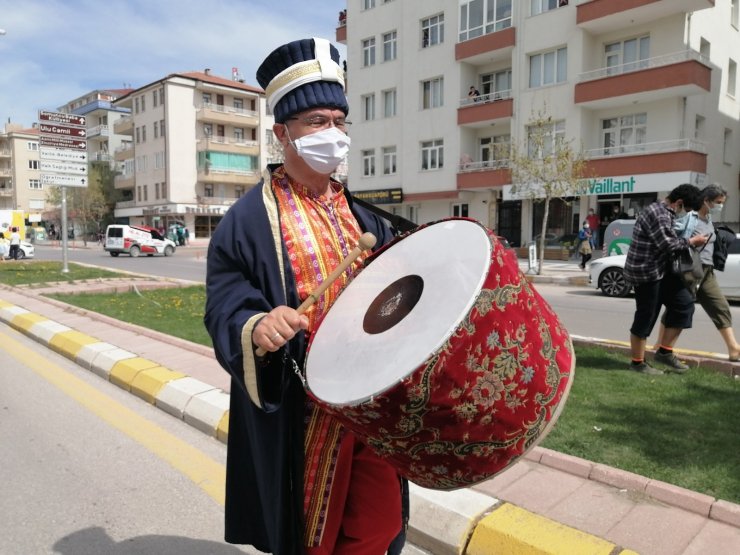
(297, 481)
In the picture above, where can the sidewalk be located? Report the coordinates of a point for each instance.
(545, 504)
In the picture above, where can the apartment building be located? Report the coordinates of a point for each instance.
(196, 143)
(100, 116)
(647, 89)
(20, 177)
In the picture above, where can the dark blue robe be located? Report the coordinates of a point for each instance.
(248, 274)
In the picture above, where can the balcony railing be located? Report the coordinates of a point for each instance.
(466, 167)
(485, 98)
(216, 200)
(674, 145)
(6, 191)
(218, 139)
(123, 147)
(4, 152)
(6, 172)
(229, 110)
(126, 204)
(648, 63)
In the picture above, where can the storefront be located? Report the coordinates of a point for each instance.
(623, 196)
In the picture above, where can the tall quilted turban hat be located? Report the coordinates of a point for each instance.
(300, 75)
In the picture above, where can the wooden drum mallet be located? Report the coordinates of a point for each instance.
(367, 241)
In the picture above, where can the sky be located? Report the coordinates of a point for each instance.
(54, 51)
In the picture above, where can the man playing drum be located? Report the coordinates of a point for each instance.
(297, 480)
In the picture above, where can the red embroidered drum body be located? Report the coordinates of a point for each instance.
(442, 357)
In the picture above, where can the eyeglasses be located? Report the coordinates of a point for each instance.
(322, 122)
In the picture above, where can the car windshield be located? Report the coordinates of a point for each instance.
(156, 235)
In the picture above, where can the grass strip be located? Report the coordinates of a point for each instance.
(679, 429)
(33, 272)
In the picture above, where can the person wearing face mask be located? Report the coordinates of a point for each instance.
(654, 239)
(708, 294)
(585, 245)
(297, 481)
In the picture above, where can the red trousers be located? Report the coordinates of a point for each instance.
(364, 513)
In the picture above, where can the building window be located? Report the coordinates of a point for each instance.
(30, 145)
(627, 55)
(368, 4)
(481, 17)
(389, 103)
(138, 136)
(412, 213)
(432, 154)
(734, 14)
(705, 48)
(390, 46)
(389, 160)
(161, 128)
(624, 134)
(368, 163)
(239, 104)
(269, 137)
(138, 194)
(239, 134)
(143, 103)
(368, 52)
(208, 191)
(206, 98)
(35, 184)
(542, 139)
(494, 150)
(161, 102)
(540, 6)
(433, 30)
(136, 105)
(33, 164)
(155, 94)
(700, 128)
(548, 68)
(727, 147)
(732, 78)
(164, 189)
(143, 133)
(495, 86)
(156, 188)
(146, 193)
(368, 107)
(156, 129)
(432, 95)
(158, 160)
(460, 210)
(238, 191)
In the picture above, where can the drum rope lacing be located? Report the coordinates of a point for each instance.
(296, 369)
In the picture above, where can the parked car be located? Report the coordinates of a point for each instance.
(135, 240)
(607, 274)
(26, 251)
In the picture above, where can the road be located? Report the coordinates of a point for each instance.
(584, 310)
(89, 469)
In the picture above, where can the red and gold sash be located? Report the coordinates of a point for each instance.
(318, 232)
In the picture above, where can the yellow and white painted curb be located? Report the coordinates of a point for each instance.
(466, 522)
(199, 404)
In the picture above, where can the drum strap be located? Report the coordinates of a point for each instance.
(398, 223)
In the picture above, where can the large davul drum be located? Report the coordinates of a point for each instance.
(441, 356)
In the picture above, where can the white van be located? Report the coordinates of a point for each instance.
(135, 240)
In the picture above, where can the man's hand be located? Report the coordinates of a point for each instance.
(278, 327)
(698, 240)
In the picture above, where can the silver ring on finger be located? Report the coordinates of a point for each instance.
(274, 337)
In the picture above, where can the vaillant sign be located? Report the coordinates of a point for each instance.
(616, 185)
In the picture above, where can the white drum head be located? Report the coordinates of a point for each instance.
(398, 311)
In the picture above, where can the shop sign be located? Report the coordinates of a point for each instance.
(380, 196)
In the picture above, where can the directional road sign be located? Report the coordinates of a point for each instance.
(64, 179)
(62, 130)
(62, 142)
(64, 119)
(48, 153)
(51, 166)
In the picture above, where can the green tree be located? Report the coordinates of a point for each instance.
(89, 209)
(546, 167)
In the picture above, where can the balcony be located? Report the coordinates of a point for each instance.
(125, 204)
(218, 113)
(124, 126)
(99, 132)
(5, 153)
(124, 182)
(485, 109)
(488, 48)
(6, 191)
(341, 35)
(100, 157)
(216, 201)
(230, 177)
(6, 172)
(483, 175)
(672, 75)
(124, 152)
(603, 16)
(229, 144)
(657, 157)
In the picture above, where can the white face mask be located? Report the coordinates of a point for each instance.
(716, 211)
(324, 150)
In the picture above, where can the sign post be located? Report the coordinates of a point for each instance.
(63, 155)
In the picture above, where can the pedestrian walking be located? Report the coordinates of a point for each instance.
(585, 245)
